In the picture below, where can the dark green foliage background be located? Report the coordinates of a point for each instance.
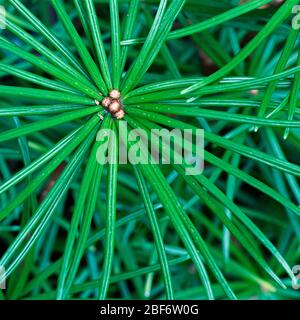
(71, 228)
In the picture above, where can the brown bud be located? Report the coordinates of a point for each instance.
(114, 107)
(120, 114)
(115, 94)
(106, 102)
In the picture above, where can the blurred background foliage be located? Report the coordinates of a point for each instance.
(245, 117)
